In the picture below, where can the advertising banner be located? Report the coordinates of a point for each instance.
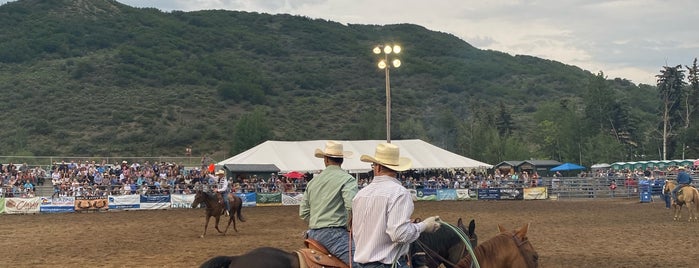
(489, 194)
(155, 201)
(269, 199)
(426, 194)
(446, 194)
(57, 204)
(249, 199)
(124, 202)
(511, 194)
(22, 205)
(292, 199)
(463, 194)
(85, 203)
(181, 200)
(536, 193)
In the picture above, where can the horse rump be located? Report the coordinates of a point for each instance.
(264, 257)
(218, 262)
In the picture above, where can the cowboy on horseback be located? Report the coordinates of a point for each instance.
(683, 179)
(223, 189)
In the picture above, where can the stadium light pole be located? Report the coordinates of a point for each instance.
(388, 50)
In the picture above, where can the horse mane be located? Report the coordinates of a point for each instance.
(491, 248)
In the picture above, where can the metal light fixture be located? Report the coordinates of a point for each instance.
(388, 50)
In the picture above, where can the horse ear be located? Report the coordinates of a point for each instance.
(522, 232)
(501, 229)
(472, 226)
(459, 222)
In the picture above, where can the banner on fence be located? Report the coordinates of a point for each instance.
(269, 199)
(501, 194)
(57, 204)
(426, 194)
(292, 199)
(124, 202)
(462, 194)
(249, 199)
(489, 194)
(536, 193)
(446, 194)
(181, 200)
(22, 205)
(511, 194)
(85, 203)
(155, 201)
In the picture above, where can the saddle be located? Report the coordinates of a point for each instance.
(315, 255)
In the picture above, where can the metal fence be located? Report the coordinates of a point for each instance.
(599, 187)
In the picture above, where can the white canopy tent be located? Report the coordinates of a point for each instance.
(298, 155)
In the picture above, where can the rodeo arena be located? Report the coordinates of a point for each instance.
(270, 179)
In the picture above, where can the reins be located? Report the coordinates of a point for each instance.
(466, 241)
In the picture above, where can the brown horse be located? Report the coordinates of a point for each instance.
(687, 195)
(316, 255)
(508, 249)
(215, 209)
(445, 246)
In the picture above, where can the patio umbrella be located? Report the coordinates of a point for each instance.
(568, 166)
(294, 175)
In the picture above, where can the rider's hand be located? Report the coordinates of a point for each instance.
(430, 224)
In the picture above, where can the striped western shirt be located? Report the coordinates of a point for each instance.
(381, 225)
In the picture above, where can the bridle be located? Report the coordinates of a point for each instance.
(519, 242)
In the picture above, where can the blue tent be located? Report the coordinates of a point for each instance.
(568, 166)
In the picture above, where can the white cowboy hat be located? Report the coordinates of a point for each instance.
(388, 155)
(333, 149)
(220, 172)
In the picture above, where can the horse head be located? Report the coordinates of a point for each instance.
(199, 197)
(667, 188)
(526, 250)
(470, 231)
(445, 246)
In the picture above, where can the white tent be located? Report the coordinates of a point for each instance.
(298, 155)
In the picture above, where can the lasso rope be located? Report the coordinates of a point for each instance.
(466, 241)
(461, 235)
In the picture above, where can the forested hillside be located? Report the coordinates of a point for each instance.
(99, 78)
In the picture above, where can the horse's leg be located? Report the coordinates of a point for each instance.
(205, 225)
(218, 218)
(230, 219)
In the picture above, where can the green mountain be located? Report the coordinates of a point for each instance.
(99, 78)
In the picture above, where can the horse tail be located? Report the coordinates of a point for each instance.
(217, 262)
(240, 210)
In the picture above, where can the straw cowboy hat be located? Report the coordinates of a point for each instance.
(388, 155)
(333, 149)
(220, 172)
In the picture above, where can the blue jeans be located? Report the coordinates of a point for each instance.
(668, 202)
(226, 201)
(336, 240)
(677, 189)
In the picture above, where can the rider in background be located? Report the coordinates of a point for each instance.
(327, 203)
(223, 188)
(683, 179)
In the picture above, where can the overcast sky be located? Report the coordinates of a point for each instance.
(630, 39)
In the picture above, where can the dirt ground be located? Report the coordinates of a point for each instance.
(579, 233)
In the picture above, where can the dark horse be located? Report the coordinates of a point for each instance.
(215, 209)
(508, 249)
(268, 257)
(443, 247)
